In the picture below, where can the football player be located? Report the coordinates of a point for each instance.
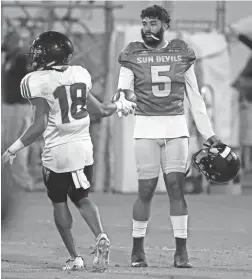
(161, 72)
(60, 95)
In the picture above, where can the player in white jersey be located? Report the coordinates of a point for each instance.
(62, 102)
(161, 73)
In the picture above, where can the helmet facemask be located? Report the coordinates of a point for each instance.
(219, 166)
(36, 57)
(201, 163)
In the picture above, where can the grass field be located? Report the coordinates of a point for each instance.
(220, 239)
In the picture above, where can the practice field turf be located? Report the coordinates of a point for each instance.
(220, 239)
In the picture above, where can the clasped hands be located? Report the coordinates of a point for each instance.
(124, 106)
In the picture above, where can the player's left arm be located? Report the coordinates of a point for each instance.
(198, 108)
(41, 112)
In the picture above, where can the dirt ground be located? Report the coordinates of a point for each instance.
(220, 239)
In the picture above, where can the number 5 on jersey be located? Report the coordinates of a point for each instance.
(161, 80)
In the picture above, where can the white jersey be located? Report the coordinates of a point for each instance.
(68, 144)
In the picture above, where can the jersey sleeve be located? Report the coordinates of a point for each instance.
(125, 56)
(190, 54)
(30, 86)
(187, 52)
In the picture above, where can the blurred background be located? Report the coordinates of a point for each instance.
(220, 32)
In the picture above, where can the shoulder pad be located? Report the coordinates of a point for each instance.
(188, 51)
(128, 50)
(178, 44)
(82, 75)
(81, 70)
(30, 85)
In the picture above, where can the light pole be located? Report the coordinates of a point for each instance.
(220, 16)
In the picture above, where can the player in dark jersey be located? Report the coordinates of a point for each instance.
(161, 73)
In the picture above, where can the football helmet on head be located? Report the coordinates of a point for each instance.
(218, 165)
(50, 49)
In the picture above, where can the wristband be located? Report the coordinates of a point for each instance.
(12, 154)
(16, 146)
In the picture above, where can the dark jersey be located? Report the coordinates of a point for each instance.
(159, 81)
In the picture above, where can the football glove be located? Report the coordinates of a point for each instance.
(124, 100)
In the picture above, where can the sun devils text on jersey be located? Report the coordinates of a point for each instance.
(159, 81)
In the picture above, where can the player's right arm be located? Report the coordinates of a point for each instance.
(41, 112)
(40, 120)
(126, 75)
(31, 86)
(126, 79)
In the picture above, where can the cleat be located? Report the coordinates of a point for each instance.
(74, 264)
(138, 261)
(101, 253)
(181, 261)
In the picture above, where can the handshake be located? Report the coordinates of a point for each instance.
(125, 101)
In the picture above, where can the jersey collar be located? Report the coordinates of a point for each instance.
(165, 45)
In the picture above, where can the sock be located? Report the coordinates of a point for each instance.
(139, 228)
(138, 233)
(180, 246)
(138, 246)
(179, 225)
